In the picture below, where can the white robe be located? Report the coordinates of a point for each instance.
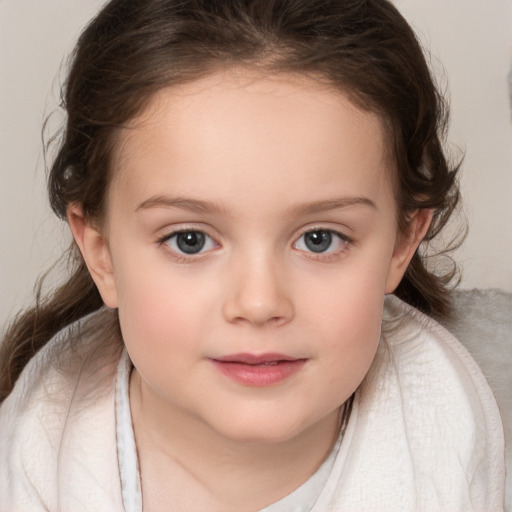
(424, 434)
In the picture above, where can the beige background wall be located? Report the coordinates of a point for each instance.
(472, 38)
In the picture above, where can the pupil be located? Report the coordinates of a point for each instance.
(191, 242)
(318, 241)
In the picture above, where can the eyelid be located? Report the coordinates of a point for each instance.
(325, 227)
(180, 256)
(184, 227)
(345, 239)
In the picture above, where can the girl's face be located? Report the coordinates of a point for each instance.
(250, 239)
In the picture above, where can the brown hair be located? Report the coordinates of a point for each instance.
(133, 48)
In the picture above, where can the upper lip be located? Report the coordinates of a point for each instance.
(246, 358)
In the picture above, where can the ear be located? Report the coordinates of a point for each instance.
(95, 251)
(406, 246)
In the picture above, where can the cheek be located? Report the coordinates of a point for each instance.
(354, 337)
(349, 297)
(162, 337)
(345, 315)
(158, 313)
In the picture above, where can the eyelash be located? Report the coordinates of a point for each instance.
(183, 257)
(345, 241)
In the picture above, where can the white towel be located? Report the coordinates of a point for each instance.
(426, 434)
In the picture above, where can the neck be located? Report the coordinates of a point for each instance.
(256, 472)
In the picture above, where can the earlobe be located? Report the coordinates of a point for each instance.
(406, 247)
(96, 253)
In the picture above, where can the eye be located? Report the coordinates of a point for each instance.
(190, 242)
(321, 241)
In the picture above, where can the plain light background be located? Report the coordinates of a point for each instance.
(470, 42)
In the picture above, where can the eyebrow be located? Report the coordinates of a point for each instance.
(201, 206)
(183, 203)
(332, 204)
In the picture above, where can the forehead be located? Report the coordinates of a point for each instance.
(239, 133)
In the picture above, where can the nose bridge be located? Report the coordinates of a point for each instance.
(258, 291)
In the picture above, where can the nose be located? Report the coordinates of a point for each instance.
(258, 294)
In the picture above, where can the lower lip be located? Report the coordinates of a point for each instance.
(259, 374)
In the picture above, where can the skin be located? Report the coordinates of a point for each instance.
(254, 163)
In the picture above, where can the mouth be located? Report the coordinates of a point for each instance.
(258, 369)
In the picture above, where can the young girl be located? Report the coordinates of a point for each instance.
(248, 183)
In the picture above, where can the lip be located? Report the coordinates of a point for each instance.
(258, 369)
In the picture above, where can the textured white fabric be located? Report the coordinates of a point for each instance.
(57, 430)
(482, 320)
(424, 435)
(131, 488)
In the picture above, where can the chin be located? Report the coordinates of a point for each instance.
(259, 430)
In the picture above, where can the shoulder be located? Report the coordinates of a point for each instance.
(433, 364)
(58, 422)
(440, 381)
(482, 321)
(426, 430)
(416, 341)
